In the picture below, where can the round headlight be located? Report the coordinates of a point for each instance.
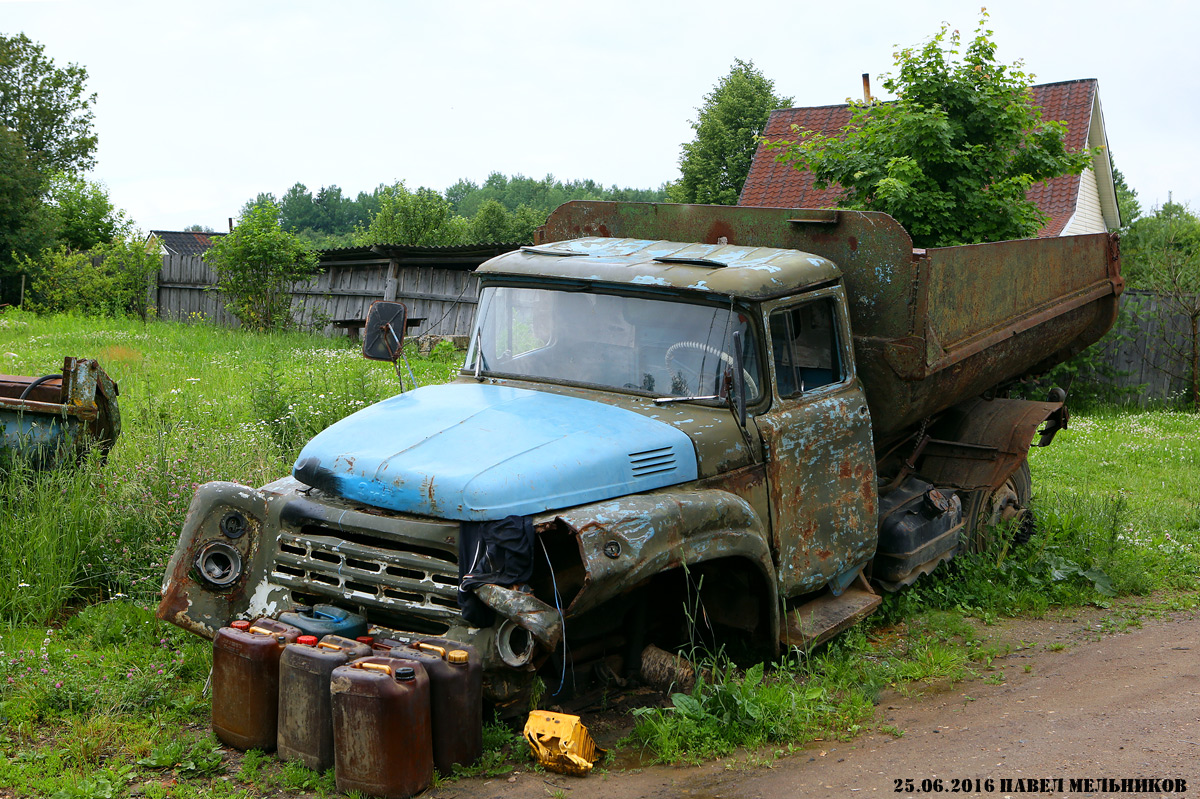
(219, 564)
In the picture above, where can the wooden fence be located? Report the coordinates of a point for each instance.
(438, 285)
(1149, 348)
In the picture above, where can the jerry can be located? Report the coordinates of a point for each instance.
(382, 740)
(455, 698)
(322, 620)
(245, 681)
(305, 729)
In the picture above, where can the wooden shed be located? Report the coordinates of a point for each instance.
(438, 284)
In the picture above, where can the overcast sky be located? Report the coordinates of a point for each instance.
(202, 105)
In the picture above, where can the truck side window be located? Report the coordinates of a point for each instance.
(804, 345)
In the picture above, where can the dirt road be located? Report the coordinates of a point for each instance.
(1124, 706)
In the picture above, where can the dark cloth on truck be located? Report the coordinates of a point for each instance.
(497, 553)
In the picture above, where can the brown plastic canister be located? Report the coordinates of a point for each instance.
(383, 645)
(455, 698)
(245, 680)
(305, 711)
(381, 727)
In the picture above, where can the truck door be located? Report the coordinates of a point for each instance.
(817, 439)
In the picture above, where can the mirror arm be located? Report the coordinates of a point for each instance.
(478, 354)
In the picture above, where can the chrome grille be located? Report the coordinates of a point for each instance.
(383, 573)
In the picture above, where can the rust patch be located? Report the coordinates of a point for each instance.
(720, 229)
(174, 602)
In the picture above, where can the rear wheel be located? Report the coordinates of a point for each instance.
(1004, 511)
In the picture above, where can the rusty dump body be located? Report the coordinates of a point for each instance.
(54, 418)
(738, 420)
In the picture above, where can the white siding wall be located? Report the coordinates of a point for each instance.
(1088, 216)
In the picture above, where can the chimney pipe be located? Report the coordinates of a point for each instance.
(867, 88)
(231, 224)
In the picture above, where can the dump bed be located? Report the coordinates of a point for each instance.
(931, 327)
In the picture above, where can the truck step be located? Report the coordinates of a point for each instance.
(824, 617)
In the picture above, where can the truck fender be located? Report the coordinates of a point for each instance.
(625, 542)
(987, 441)
(228, 519)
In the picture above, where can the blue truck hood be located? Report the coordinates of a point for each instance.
(482, 452)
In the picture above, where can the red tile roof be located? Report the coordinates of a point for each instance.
(778, 185)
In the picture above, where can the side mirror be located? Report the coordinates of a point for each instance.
(383, 338)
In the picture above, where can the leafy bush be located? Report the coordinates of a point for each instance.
(254, 265)
(108, 280)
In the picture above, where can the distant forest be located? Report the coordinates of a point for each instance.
(501, 209)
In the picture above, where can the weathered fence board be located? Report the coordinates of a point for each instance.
(439, 287)
(1148, 348)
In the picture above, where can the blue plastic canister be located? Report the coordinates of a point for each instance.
(323, 620)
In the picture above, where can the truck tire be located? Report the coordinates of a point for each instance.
(988, 512)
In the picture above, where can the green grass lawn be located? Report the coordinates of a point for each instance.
(99, 699)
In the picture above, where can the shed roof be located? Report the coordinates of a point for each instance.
(466, 256)
(1076, 102)
(180, 242)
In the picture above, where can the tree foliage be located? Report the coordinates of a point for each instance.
(254, 265)
(110, 279)
(1161, 253)
(83, 215)
(954, 155)
(714, 165)
(421, 218)
(512, 208)
(1128, 205)
(24, 228)
(47, 106)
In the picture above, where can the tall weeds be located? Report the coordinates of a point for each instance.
(198, 403)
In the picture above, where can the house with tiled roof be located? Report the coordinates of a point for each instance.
(171, 242)
(1076, 204)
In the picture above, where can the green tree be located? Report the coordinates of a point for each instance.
(1127, 202)
(954, 155)
(459, 192)
(24, 226)
(84, 217)
(491, 223)
(262, 198)
(714, 165)
(47, 106)
(254, 265)
(421, 218)
(524, 222)
(296, 211)
(1161, 253)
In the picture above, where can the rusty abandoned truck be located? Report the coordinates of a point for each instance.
(763, 414)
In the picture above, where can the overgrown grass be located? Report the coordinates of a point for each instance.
(198, 403)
